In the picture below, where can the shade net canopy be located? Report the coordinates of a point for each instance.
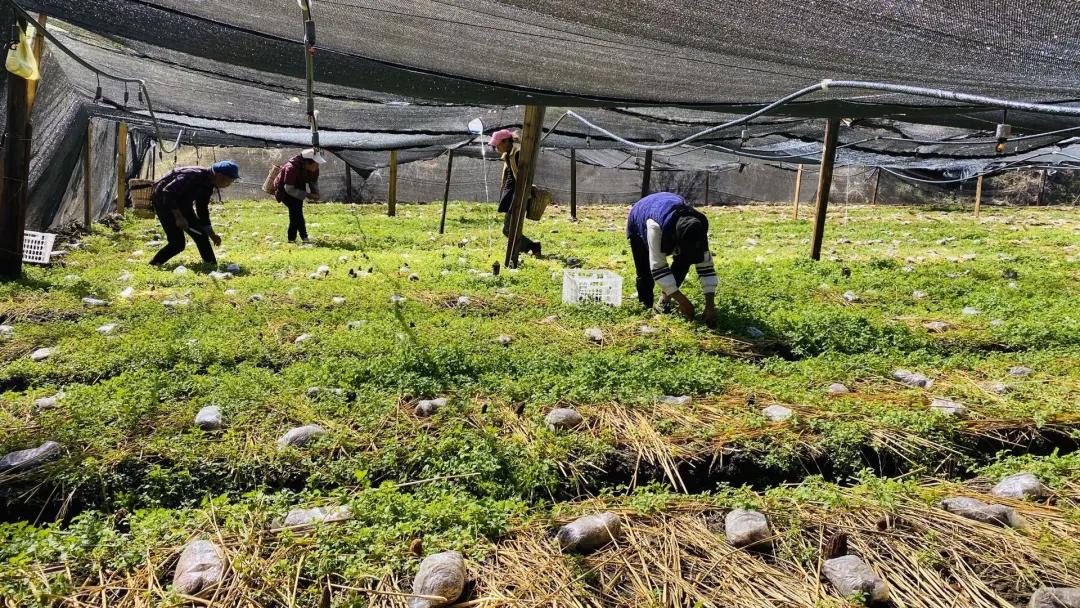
(604, 52)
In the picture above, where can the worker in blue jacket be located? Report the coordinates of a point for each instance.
(662, 225)
(182, 203)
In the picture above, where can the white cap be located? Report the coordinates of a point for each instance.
(315, 155)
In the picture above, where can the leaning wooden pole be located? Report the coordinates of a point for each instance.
(527, 159)
(828, 160)
(978, 195)
(707, 173)
(348, 184)
(15, 180)
(646, 176)
(121, 167)
(88, 194)
(1042, 189)
(391, 195)
(798, 190)
(446, 191)
(573, 183)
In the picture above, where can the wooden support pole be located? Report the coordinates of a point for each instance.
(88, 194)
(573, 183)
(877, 183)
(446, 192)
(798, 190)
(1042, 188)
(707, 173)
(391, 196)
(532, 125)
(978, 195)
(828, 160)
(38, 47)
(121, 167)
(15, 180)
(646, 177)
(348, 184)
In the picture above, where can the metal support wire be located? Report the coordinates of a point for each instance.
(98, 73)
(825, 85)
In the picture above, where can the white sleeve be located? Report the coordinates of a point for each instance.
(707, 274)
(295, 192)
(661, 273)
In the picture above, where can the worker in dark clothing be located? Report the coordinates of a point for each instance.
(662, 225)
(299, 179)
(504, 144)
(182, 203)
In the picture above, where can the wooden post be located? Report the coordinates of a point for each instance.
(573, 183)
(798, 190)
(391, 197)
(646, 177)
(348, 184)
(828, 159)
(88, 195)
(1042, 188)
(707, 173)
(978, 195)
(39, 48)
(446, 192)
(532, 125)
(121, 167)
(15, 180)
(877, 183)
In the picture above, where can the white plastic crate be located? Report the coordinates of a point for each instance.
(581, 286)
(37, 247)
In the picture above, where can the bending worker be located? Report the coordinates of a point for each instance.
(662, 225)
(182, 203)
(299, 179)
(504, 144)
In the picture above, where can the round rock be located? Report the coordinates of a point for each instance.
(589, 533)
(301, 435)
(562, 419)
(440, 575)
(209, 418)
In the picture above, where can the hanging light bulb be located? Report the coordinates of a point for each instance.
(744, 136)
(1003, 133)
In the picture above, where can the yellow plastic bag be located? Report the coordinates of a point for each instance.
(21, 61)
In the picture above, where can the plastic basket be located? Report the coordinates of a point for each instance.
(37, 247)
(582, 286)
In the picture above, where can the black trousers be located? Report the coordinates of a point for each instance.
(175, 237)
(645, 283)
(525, 244)
(297, 225)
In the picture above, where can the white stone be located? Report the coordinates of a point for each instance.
(396, 299)
(323, 270)
(589, 533)
(595, 334)
(337, 300)
(1020, 486)
(234, 268)
(837, 389)
(44, 403)
(127, 293)
(430, 407)
(913, 379)
(504, 340)
(936, 327)
(301, 435)
(440, 575)
(125, 277)
(949, 406)
(106, 329)
(41, 354)
(851, 575)
(1020, 371)
(563, 418)
(1055, 597)
(681, 400)
(174, 302)
(356, 324)
(998, 388)
(317, 515)
(971, 508)
(6, 331)
(777, 413)
(971, 311)
(231, 292)
(744, 528)
(647, 330)
(180, 270)
(851, 297)
(918, 295)
(997, 323)
(94, 302)
(220, 276)
(464, 301)
(208, 418)
(302, 338)
(200, 568)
